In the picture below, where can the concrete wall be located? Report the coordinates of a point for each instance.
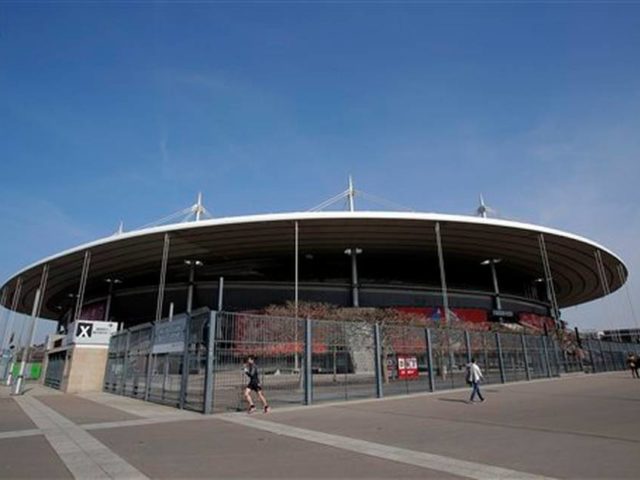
(84, 369)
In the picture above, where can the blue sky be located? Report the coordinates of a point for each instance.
(126, 111)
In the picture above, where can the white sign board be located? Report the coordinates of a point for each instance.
(89, 332)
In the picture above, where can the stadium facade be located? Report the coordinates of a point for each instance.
(475, 269)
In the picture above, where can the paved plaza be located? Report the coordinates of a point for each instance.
(582, 426)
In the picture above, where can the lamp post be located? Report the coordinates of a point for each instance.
(192, 264)
(112, 283)
(492, 262)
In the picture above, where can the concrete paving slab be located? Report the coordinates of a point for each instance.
(12, 417)
(31, 458)
(82, 411)
(581, 427)
(216, 449)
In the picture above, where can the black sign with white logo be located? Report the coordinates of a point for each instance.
(84, 330)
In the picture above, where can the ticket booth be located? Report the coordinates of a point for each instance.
(76, 362)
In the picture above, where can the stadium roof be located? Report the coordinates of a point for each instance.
(572, 257)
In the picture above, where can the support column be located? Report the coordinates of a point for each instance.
(496, 289)
(355, 293)
(15, 299)
(604, 282)
(163, 276)
(35, 313)
(526, 356)
(432, 383)
(467, 341)
(551, 291)
(184, 380)
(546, 355)
(296, 279)
(220, 294)
(308, 352)
(503, 377)
(378, 353)
(83, 284)
(209, 381)
(443, 276)
(6, 341)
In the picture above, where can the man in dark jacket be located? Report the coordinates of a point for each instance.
(254, 385)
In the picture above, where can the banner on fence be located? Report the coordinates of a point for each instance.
(168, 337)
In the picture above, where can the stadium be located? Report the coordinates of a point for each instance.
(485, 269)
(164, 286)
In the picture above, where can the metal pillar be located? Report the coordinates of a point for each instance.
(151, 360)
(467, 341)
(551, 290)
(220, 293)
(623, 282)
(432, 383)
(125, 361)
(355, 293)
(209, 380)
(6, 341)
(112, 283)
(184, 380)
(14, 306)
(163, 276)
(546, 355)
(503, 377)
(378, 352)
(296, 262)
(604, 358)
(527, 370)
(296, 279)
(443, 277)
(35, 313)
(308, 352)
(17, 387)
(83, 284)
(604, 283)
(496, 289)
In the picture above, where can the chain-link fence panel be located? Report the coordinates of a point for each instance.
(343, 360)
(513, 357)
(405, 367)
(276, 343)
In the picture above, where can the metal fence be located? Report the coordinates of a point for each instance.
(196, 361)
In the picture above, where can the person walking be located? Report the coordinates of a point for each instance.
(474, 377)
(632, 363)
(251, 370)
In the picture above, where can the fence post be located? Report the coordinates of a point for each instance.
(594, 369)
(604, 359)
(503, 377)
(546, 355)
(308, 351)
(556, 356)
(125, 360)
(467, 342)
(526, 356)
(614, 367)
(151, 360)
(432, 383)
(184, 380)
(378, 352)
(209, 378)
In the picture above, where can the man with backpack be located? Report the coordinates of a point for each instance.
(474, 377)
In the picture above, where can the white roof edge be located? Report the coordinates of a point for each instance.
(292, 216)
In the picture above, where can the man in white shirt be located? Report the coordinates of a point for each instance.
(474, 377)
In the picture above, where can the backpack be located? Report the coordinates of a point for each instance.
(467, 376)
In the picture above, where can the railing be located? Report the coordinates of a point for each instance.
(305, 361)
